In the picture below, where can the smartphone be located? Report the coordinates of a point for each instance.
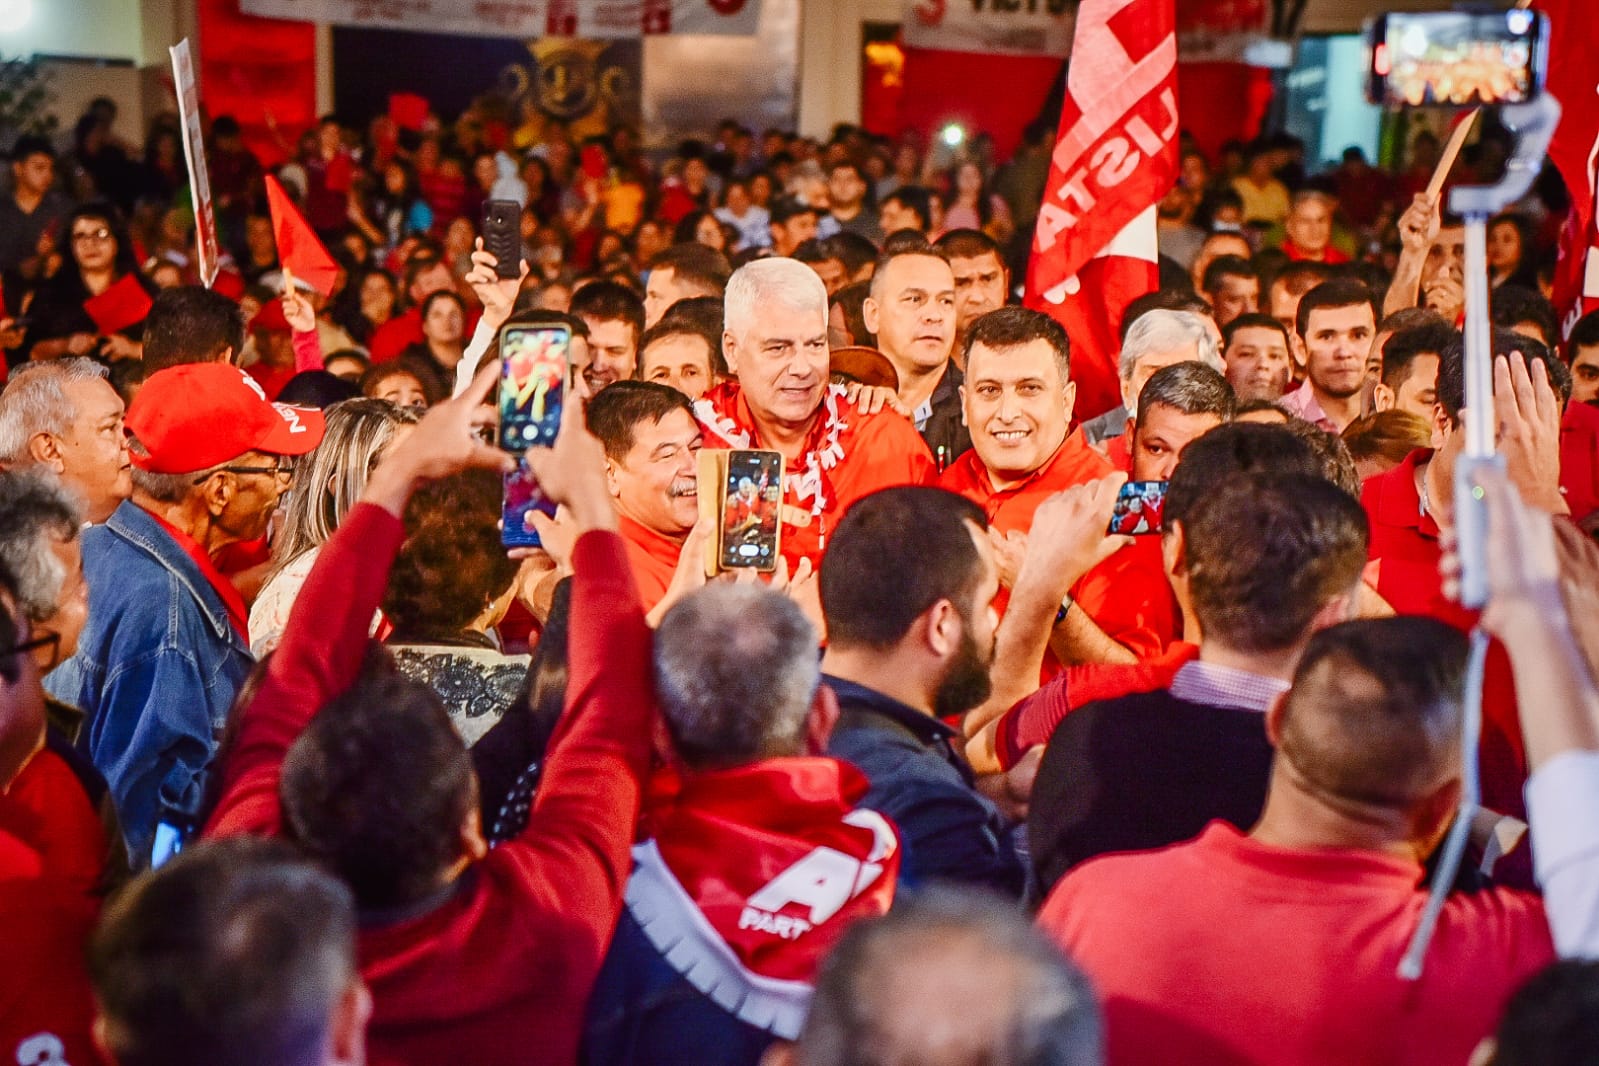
(751, 498)
(1457, 58)
(1139, 507)
(533, 375)
(502, 236)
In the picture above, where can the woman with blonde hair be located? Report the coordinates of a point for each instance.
(327, 484)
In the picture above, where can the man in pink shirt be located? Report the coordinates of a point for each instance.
(1335, 323)
(1282, 945)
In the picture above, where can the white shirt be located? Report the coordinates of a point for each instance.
(1563, 810)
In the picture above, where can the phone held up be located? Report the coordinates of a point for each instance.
(534, 364)
(1140, 507)
(502, 236)
(1457, 58)
(743, 491)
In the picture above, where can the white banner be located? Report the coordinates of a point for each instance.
(1013, 27)
(205, 219)
(596, 19)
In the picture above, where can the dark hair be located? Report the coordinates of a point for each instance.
(1585, 334)
(1051, 1015)
(378, 786)
(922, 251)
(1252, 320)
(1190, 387)
(815, 251)
(1553, 1018)
(784, 208)
(1226, 266)
(606, 301)
(1452, 368)
(967, 244)
(697, 265)
(852, 298)
(869, 604)
(682, 327)
(1373, 717)
(1228, 451)
(1339, 292)
(1259, 593)
(31, 145)
(191, 324)
(317, 388)
(375, 376)
(905, 240)
(125, 262)
(621, 405)
(1512, 305)
(1162, 300)
(1011, 327)
(915, 199)
(1300, 277)
(1406, 317)
(1400, 350)
(451, 565)
(237, 951)
(443, 294)
(853, 250)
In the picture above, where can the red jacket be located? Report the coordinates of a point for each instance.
(501, 968)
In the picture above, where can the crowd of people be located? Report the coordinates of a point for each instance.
(299, 765)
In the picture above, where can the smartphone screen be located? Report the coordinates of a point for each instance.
(533, 365)
(1139, 507)
(523, 498)
(1450, 58)
(751, 498)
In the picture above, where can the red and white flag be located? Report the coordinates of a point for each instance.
(1095, 248)
(1574, 81)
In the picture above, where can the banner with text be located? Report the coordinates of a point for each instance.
(604, 19)
(1005, 27)
(205, 219)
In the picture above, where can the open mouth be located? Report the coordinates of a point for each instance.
(1011, 436)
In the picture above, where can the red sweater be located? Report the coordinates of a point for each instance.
(502, 968)
(1228, 952)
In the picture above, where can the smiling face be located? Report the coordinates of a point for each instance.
(912, 312)
(1016, 407)
(681, 360)
(613, 351)
(1337, 340)
(656, 484)
(781, 362)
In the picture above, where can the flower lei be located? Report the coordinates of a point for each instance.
(824, 449)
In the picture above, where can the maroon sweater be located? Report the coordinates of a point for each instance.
(500, 970)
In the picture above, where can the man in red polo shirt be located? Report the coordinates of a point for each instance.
(1309, 229)
(775, 340)
(652, 446)
(1018, 404)
(425, 274)
(1405, 504)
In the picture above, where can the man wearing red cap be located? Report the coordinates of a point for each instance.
(166, 647)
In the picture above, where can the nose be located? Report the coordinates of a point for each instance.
(1007, 405)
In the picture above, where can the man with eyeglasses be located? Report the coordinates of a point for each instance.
(166, 645)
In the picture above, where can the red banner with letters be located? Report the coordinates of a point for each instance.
(1115, 157)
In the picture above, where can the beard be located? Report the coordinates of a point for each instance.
(966, 683)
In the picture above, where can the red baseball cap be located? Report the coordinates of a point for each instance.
(199, 415)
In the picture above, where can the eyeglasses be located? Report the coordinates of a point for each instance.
(85, 236)
(48, 640)
(284, 470)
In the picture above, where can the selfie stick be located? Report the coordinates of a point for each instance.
(1534, 125)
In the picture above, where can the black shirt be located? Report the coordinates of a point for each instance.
(1142, 772)
(950, 832)
(946, 428)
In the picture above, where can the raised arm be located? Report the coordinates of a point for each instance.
(498, 297)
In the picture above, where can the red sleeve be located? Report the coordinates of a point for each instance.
(320, 656)
(574, 857)
(307, 351)
(1131, 602)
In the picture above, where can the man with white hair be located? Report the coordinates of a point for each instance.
(1309, 228)
(1158, 339)
(775, 341)
(64, 416)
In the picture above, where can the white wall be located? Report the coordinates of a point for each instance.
(99, 29)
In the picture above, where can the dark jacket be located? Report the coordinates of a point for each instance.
(945, 427)
(950, 831)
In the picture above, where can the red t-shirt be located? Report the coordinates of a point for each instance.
(653, 557)
(1329, 254)
(1405, 553)
(1225, 950)
(396, 335)
(270, 378)
(1579, 459)
(1127, 596)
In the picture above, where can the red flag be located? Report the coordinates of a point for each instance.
(122, 305)
(408, 110)
(1574, 81)
(299, 251)
(1116, 155)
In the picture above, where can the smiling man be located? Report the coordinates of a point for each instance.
(775, 340)
(912, 312)
(1018, 401)
(1336, 321)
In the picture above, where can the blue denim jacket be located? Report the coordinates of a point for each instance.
(155, 672)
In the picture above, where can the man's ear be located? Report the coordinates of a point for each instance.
(45, 450)
(1174, 551)
(823, 717)
(1274, 719)
(1068, 399)
(729, 353)
(964, 421)
(218, 492)
(100, 1037)
(1442, 426)
(610, 477)
(1296, 351)
(1382, 397)
(939, 628)
(347, 1033)
(871, 314)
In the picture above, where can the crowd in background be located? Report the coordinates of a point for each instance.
(299, 765)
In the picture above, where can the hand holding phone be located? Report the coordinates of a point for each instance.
(1457, 58)
(532, 392)
(752, 498)
(1140, 509)
(502, 236)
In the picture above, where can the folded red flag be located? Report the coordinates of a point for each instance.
(124, 304)
(408, 110)
(299, 251)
